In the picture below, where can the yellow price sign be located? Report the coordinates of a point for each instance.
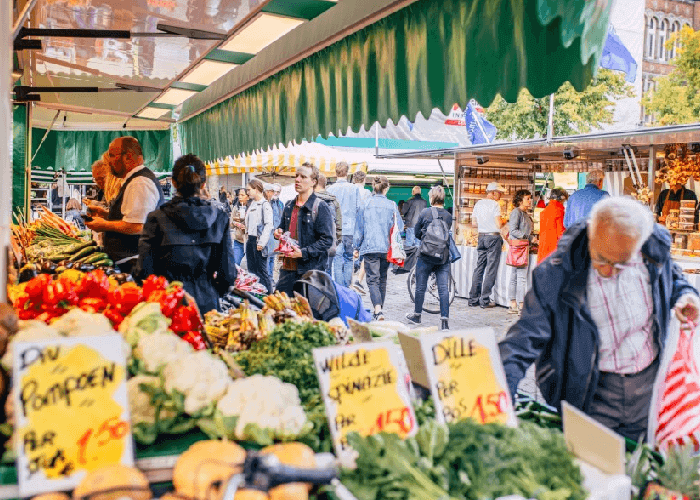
(71, 407)
(366, 390)
(466, 376)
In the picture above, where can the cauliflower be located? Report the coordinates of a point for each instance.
(200, 377)
(28, 331)
(78, 323)
(160, 349)
(142, 411)
(265, 401)
(145, 319)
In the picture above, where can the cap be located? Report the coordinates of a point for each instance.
(495, 186)
(277, 187)
(268, 187)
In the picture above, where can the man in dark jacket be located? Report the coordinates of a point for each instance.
(410, 212)
(596, 317)
(337, 214)
(309, 221)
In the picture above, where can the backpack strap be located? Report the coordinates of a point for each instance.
(314, 209)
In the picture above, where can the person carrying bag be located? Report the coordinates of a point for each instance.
(520, 226)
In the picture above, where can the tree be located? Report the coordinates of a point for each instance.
(574, 112)
(676, 99)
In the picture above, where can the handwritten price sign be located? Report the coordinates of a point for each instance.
(365, 388)
(466, 376)
(71, 410)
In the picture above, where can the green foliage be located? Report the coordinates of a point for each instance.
(465, 460)
(676, 99)
(574, 112)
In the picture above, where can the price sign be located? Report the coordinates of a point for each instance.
(366, 390)
(70, 409)
(466, 376)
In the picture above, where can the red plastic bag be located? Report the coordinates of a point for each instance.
(396, 254)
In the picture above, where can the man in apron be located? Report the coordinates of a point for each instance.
(670, 199)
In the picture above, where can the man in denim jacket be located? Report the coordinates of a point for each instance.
(348, 195)
(312, 231)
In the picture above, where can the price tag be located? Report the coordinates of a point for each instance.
(71, 412)
(466, 376)
(366, 390)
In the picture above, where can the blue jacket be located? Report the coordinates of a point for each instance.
(315, 237)
(556, 331)
(348, 196)
(580, 204)
(374, 221)
(277, 208)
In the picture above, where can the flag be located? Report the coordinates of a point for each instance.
(479, 128)
(616, 56)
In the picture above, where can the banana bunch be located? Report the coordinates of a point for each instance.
(278, 301)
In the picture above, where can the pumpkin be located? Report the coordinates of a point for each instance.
(52, 496)
(116, 481)
(250, 495)
(205, 464)
(295, 455)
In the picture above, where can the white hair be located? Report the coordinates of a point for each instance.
(595, 177)
(625, 216)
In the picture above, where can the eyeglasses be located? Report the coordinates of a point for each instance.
(110, 155)
(614, 267)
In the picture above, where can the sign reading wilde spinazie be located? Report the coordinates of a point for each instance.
(366, 390)
(466, 376)
(71, 413)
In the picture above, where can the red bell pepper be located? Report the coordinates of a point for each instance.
(94, 284)
(54, 293)
(154, 283)
(181, 321)
(92, 304)
(22, 301)
(70, 294)
(125, 298)
(113, 316)
(167, 303)
(35, 287)
(195, 339)
(193, 313)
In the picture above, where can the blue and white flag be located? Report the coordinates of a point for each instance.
(481, 131)
(616, 56)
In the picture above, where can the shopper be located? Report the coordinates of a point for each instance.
(371, 240)
(223, 199)
(337, 213)
(73, 214)
(358, 179)
(425, 265)
(309, 221)
(100, 169)
(551, 224)
(188, 239)
(348, 196)
(259, 224)
(272, 195)
(670, 199)
(411, 211)
(581, 202)
(520, 226)
(238, 224)
(487, 215)
(140, 195)
(596, 318)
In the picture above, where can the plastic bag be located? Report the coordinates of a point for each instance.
(675, 406)
(396, 254)
(287, 244)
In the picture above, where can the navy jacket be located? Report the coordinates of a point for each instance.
(188, 240)
(556, 330)
(315, 238)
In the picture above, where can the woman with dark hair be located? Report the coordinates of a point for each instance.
(520, 226)
(551, 223)
(259, 225)
(374, 221)
(238, 212)
(188, 239)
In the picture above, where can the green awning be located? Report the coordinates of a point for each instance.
(431, 54)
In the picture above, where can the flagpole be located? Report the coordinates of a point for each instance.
(376, 139)
(550, 121)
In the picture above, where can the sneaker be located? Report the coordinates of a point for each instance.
(488, 306)
(357, 286)
(444, 324)
(378, 316)
(413, 318)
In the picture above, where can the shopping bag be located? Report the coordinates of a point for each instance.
(396, 254)
(675, 405)
(518, 253)
(454, 251)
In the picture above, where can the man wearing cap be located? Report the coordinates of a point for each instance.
(272, 194)
(487, 216)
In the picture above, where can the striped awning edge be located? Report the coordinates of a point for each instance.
(279, 163)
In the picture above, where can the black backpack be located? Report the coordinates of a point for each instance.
(436, 242)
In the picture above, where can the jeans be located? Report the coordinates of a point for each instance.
(442, 276)
(488, 258)
(518, 284)
(342, 269)
(238, 252)
(257, 264)
(411, 240)
(376, 267)
(286, 282)
(271, 266)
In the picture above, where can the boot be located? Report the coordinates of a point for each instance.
(444, 324)
(413, 318)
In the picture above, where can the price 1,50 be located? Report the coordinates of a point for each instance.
(485, 408)
(112, 429)
(398, 420)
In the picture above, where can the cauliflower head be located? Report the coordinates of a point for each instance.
(28, 331)
(78, 323)
(145, 319)
(159, 349)
(199, 376)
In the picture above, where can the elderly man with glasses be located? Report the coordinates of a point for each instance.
(596, 318)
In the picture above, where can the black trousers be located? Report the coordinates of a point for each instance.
(257, 264)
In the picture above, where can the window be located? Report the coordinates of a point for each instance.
(663, 36)
(651, 36)
(674, 29)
